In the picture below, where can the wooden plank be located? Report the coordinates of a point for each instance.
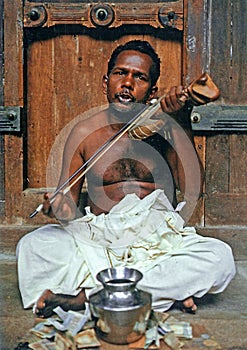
(13, 62)
(226, 209)
(226, 180)
(198, 215)
(195, 57)
(13, 148)
(220, 47)
(41, 123)
(1, 51)
(238, 162)
(232, 235)
(2, 180)
(194, 63)
(80, 86)
(239, 52)
(217, 164)
(228, 57)
(2, 195)
(13, 96)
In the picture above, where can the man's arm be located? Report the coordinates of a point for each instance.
(182, 157)
(65, 207)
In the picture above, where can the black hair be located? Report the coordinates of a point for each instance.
(143, 47)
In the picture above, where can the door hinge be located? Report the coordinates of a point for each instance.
(10, 119)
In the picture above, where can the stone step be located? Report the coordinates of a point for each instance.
(235, 236)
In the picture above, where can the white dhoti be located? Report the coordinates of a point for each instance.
(146, 234)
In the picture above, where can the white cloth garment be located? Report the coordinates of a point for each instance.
(146, 234)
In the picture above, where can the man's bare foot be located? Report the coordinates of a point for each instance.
(49, 300)
(189, 306)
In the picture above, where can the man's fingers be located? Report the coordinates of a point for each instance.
(47, 209)
(63, 207)
(174, 100)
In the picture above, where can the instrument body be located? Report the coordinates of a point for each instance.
(201, 91)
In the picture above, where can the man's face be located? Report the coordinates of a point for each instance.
(129, 81)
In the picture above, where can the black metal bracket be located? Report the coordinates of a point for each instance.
(214, 117)
(10, 119)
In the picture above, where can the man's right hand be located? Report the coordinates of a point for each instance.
(47, 208)
(63, 208)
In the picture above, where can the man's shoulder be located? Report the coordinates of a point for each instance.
(91, 123)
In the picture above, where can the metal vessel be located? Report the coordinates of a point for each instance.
(121, 309)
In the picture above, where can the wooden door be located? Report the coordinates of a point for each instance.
(64, 51)
(216, 42)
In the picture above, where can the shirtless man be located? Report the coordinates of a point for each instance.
(126, 168)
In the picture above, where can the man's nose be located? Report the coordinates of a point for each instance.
(128, 81)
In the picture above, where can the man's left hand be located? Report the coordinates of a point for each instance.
(174, 100)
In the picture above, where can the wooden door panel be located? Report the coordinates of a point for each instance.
(238, 164)
(226, 180)
(39, 104)
(13, 96)
(226, 160)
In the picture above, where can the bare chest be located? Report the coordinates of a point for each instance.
(127, 160)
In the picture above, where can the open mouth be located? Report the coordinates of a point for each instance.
(125, 98)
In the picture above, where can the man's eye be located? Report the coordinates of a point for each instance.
(141, 77)
(119, 73)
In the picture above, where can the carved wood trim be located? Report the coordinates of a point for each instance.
(91, 15)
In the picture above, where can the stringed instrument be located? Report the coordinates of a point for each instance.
(201, 91)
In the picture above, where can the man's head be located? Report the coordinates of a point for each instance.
(143, 47)
(133, 70)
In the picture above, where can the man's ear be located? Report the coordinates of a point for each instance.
(153, 92)
(104, 84)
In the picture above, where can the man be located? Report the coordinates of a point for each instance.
(129, 220)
